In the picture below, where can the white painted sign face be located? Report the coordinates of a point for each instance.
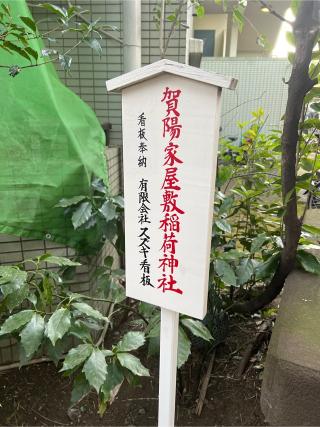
(170, 138)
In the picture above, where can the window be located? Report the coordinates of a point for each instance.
(208, 37)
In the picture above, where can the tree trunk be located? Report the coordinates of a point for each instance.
(306, 31)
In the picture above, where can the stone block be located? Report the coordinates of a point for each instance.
(290, 393)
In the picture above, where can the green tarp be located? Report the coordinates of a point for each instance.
(51, 145)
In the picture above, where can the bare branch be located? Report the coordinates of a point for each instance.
(274, 12)
(106, 33)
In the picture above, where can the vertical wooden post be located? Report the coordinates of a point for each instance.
(168, 367)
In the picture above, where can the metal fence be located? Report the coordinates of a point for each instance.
(261, 83)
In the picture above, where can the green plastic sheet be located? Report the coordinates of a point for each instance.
(51, 146)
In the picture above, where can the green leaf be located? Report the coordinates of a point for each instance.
(54, 9)
(79, 330)
(118, 200)
(13, 47)
(258, 242)
(95, 45)
(98, 185)
(108, 261)
(95, 369)
(82, 214)
(13, 277)
(153, 346)
(288, 196)
(47, 293)
(200, 10)
(223, 225)
(315, 107)
(238, 18)
(225, 272)
(17, 297)
(304, 178)
(171, 18)
(307, 164)
(119, 272)
(223, 175)
(111, 230)
(313, 93)
(65, 203)
(226, 205)
(244, 271)
(314, 70)
(290, 38)
(132, 363)
(32, 52)
(65, 62)
(33, 298)
(5, 8)
(311, 229)
(89, 311)
(76, 356)
(233, 255)
(69, 272)
(15, 321)
(58, 324)
(295, 6)
(81, 387)
(92, 324)
(71, 10)
(55, 352)
(268, 267)
(146, 309)
(108, 210)
(184, 347)
(61, 261)
(113, 380)
(111, 288)
(153, 328)
(262, 41)
(131, 341)
(308, 262)
(310, 124)
(29, 22)
(291, 57)
(32, 334)
(108, 353)
(197, 328)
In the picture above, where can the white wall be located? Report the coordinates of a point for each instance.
(217, 22)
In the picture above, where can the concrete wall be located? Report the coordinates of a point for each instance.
(291, 379)
(217, 22)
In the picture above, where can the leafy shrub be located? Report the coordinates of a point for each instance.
(248, 221)
(247, 239)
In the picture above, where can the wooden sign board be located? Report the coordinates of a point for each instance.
(170, 115)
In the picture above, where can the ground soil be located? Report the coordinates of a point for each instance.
(37, 395)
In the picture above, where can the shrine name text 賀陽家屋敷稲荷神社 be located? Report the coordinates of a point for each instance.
(170, 222)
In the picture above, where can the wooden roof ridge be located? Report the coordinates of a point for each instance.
(171, 67)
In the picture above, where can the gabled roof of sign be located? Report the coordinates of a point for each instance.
(171, 67)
